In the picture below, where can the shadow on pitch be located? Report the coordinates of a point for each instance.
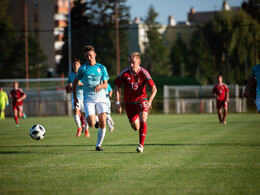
(120, 145)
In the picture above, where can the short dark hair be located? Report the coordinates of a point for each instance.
(220, 75)
(88, 48)
(76, 60)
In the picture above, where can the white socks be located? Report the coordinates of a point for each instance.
(77, 120)
(100, 136)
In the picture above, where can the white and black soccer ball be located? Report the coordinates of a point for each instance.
(37, 132)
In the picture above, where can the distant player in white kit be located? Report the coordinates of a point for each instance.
(95, 78)
(79, 112)
(255, 77)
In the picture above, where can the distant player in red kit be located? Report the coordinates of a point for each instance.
(136, 102)
(221, 93)
(18, 96)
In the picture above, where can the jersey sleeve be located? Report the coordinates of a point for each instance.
(79, 74)
(104, 74)
(150, 82)
(109, 88)
(119, 81)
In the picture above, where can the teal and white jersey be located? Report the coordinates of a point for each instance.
(256, 74)
(108, 89)
(79, 88)
(91, 76)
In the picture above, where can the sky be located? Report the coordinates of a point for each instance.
(176, 8)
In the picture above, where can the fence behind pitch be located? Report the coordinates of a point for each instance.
(45, 97)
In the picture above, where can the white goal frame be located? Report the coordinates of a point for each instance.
(206, 104)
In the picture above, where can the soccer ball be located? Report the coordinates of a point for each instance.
(37, 132)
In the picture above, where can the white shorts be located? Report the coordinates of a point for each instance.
(80, 105)
(95, 107)
(257, 101)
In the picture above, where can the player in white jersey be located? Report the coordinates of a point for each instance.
(79, 112)
(110, 122)
(95, 78)
(255, 77)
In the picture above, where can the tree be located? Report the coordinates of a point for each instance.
(156, 55)
(93, 23)
(232, 39)
(8, 38)
(252, 7)
(200, 63)
(179, 57)
(12, 45)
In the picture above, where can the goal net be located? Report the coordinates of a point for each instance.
(199, 99)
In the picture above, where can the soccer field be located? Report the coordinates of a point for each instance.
(183, 154)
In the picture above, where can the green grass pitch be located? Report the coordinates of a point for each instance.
(183, 154)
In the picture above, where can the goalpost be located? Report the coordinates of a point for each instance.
(199, 99)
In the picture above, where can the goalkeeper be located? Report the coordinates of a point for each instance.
(3, 102)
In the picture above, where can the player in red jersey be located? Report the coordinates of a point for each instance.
(221, 93)
(135, 79)
(18, 96)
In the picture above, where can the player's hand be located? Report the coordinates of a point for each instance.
(76, 102)
(148, 105)
(118, 108)
(80, 84)
(98, 88)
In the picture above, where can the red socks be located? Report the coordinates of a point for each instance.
(16, 119)
(142, 132)
(82, 121)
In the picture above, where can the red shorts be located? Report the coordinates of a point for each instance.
(133, 110)
(18, 107)
(222, 104)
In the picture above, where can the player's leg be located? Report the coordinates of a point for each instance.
(143, 114)
(101, 109)
(219, 111)
(21, 112)
(225, 113)
(110, 123)
(132, 116)
(86, 126)
(90, 113)
(76, 115)
(257, 102)
(87, 134)
(15, 110)
(77, 121)
(2, 108)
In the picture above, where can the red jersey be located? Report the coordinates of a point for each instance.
(220, 90)
(16, 94)
(134, 84)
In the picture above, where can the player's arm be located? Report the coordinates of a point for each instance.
(22, 97)
(150, 100)
(74, 90)
(250, 82)
(110, 93)
(227, 95)
(117, 96)
(103, 85)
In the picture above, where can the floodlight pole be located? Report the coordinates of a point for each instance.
(69, 38)
(26, 45)
(117, 39)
